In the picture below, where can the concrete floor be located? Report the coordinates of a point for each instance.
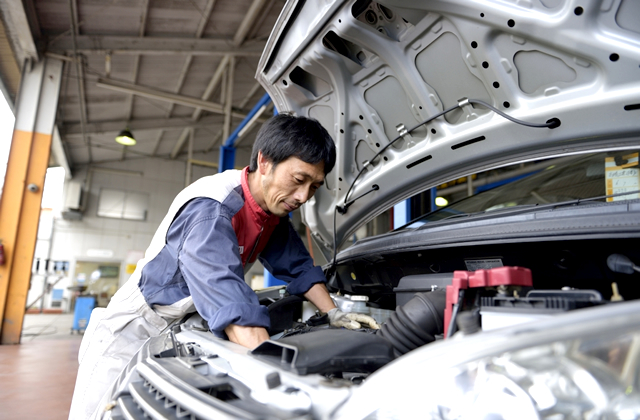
(37, 377)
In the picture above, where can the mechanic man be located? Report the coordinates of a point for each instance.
(214, 230)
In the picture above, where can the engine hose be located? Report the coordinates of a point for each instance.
(415, 323)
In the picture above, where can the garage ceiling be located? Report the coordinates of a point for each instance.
(162, 68)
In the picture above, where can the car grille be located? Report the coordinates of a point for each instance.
(146, 401)
(169, 389)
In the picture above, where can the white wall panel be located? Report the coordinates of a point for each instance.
(161, 179)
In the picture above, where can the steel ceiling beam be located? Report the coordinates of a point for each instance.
(227, 155)
(143, 18)
(187, 179)
(215, 80)
(73, 130)
(263, 16)
(136, 62)
(156, 144)
(241, 34)
(213, 83)
(213, 142)
(206, 15)
(254, 89)
(229, 98)
(131, 45)
(181, 78)
(158, 94)
(247, 23)
(245, 101)
(70, 131)
(74, 17)
(247, 124)
(185, 68)
(180, 142)
(227, 151)
(201, 27)
(131, 98)
(136, 66)
(79, 64)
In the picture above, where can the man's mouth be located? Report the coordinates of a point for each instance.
(289, 207)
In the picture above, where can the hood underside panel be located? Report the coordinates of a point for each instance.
(368, 70)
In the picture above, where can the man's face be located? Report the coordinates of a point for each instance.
(290, 184)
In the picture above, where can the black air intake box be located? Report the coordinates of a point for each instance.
(327, 351)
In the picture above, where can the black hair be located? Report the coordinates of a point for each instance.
(284, 136)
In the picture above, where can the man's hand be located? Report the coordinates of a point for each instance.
(319, 296)
(249, 337)
(352, 321)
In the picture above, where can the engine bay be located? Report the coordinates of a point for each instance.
(409, 293)
(554, 264)
(406, 292)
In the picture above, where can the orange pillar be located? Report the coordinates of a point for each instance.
(22, 194)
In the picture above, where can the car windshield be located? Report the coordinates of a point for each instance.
(558, 180)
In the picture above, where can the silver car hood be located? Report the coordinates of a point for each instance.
(368, 72)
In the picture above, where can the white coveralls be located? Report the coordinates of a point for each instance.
(116, 333)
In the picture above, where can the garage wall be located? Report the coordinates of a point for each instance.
(96, 238)
(74, 239)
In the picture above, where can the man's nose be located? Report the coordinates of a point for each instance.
(302, 194)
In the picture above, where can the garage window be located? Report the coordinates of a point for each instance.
(123, 204)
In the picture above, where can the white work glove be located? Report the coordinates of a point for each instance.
(351, 321)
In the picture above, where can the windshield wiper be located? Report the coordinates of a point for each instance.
(526, 208)
(492, 211)
(590, 199)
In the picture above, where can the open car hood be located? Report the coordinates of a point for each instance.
(369, 70)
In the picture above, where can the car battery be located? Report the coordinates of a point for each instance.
(408, 286)
(503, 311)
(479, 279)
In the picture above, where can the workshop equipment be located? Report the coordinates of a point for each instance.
(82, 313)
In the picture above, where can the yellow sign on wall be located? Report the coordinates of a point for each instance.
(622, 176)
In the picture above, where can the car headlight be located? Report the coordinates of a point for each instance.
(566, 368)
(563, 380)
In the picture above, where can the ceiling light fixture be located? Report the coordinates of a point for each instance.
(125, 138)
(441, 201)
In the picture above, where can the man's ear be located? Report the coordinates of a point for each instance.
(263, 164)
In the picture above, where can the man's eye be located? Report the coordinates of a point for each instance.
(299, 181)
